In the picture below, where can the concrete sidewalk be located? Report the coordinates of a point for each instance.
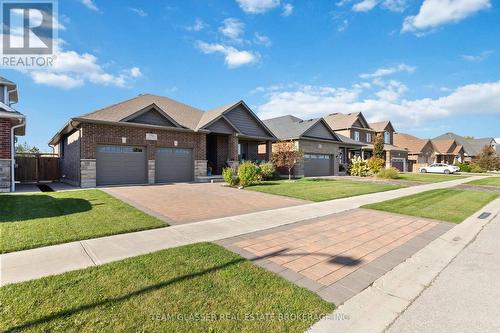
(465, 297)
(377, 307)
(36, 263)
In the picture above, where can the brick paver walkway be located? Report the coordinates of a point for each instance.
(326, 250)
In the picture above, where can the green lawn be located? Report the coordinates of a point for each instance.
(34, 220)
(445, 204)
(428, 177)
(320, 189)
(176, 290)
(490, 181)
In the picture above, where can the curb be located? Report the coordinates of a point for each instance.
(377, 307)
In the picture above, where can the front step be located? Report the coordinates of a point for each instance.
(210, 179)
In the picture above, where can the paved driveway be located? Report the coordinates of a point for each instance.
(184, 203)
(339, 255)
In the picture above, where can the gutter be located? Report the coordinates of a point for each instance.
(13, 153)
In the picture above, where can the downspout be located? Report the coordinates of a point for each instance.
(13, 153)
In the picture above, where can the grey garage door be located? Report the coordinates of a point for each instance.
(398, 164)
(174, 165)
(317, 165)
(118, 165)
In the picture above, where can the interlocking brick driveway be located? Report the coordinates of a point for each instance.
(184, 203)
(339, 255)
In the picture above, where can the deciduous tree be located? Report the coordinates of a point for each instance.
(286, 155)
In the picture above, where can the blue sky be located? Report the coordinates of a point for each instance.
(430, 66)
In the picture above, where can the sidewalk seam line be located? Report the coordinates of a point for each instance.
(87, 253)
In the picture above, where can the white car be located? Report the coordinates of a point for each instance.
(439, 168)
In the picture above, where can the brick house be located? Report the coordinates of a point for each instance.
(421, 152)
(321, 145)
(448, 151)
(12, 124)
(153, 139)
(355, 127)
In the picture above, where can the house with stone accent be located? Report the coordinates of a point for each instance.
(355, 127)
(12, 124)
(320, 144)
(421, 152)
(154, 139)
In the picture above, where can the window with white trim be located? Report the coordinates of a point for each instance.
(387, 137)
(356, 136)
(368, 137)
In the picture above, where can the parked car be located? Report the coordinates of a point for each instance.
(439, 168)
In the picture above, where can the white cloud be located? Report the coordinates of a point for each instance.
(258, 6)
(287, 9)
(395, 5)
(262, 39)
(198, 25)
(343, 25)
(434, 13)
(72, 69)
(388, 71)
(90, 5)
(316, 101)
(233, 57)
(476, 58)
(139, 12)
(232, 28)
(365, 5)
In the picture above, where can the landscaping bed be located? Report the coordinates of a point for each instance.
(194, 288)
(449, 205)
(320, 189)
(41, 219)
(490, 181)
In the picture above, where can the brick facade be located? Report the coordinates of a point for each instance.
(5, 145)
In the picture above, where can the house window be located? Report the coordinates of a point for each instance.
(242, 151)
(387, 137)
(356, 136)
(368, 137)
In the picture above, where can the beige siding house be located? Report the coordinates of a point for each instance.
(420, 151)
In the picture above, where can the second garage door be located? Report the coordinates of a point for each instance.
(317, 165)
(117, 165)
(174, 165)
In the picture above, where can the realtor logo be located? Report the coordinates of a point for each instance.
(28, 33)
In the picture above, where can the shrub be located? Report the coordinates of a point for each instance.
(464, 167)
(229, 176)
(474, 167)
(390, 173)
(375, 164)
(248, 173)
(267, 170)
(359, 167)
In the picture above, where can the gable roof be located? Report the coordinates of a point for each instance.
(472, 147)
(183, 114)
(339, 121)
(444, 146)
(289, 127)
(410, 142)
(381, 126)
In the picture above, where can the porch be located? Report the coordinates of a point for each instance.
(227, 150)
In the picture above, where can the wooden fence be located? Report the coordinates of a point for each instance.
(34, 168)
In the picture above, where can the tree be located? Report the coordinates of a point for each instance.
(285, 155)
(25, 148)
(378, 146)
(468, 137)
(487, 159)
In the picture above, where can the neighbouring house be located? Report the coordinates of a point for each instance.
(448, 151)
(355, 127)
(319, 143)
(472, 147)
(153, 139)
(420, 151)
(12, 124)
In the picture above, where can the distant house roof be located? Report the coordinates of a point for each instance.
(412, 143)
(444, 146)
(339, 121)
(290, 127)
(381, 126)
(472, 147)
(12, 89)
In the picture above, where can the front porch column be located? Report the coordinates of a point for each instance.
(362, 154)
(232, 151)
(269, 149)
